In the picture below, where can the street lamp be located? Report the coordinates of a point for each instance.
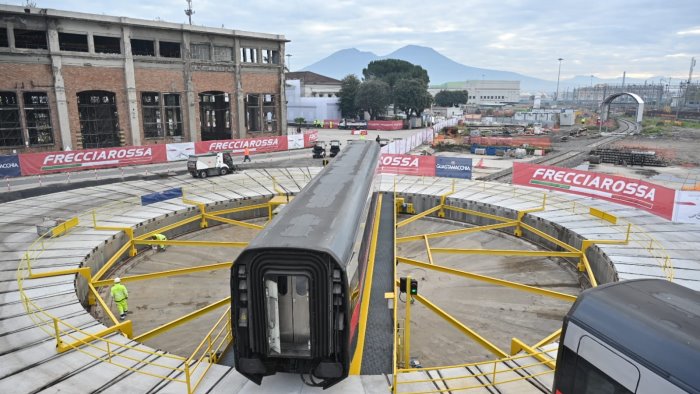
(556, 95)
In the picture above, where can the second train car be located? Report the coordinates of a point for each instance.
(292, 286)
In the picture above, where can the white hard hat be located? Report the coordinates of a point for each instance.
(117, 280)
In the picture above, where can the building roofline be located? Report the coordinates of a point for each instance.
(48, 12)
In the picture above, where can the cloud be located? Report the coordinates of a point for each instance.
(651, 37)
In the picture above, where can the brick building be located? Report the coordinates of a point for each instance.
(72, 80)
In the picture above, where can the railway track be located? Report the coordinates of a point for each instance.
(572, 156)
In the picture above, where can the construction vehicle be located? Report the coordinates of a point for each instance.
(319, 150)
(214, 163)
(335, 148)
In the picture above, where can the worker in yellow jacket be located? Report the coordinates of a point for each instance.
(120, 295)
(160, 237)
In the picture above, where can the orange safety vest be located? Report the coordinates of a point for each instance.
(246, 152)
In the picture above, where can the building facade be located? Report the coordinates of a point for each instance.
(312, 96)
(487, 93)
(72, 81)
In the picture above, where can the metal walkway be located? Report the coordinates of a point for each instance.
(378, 332)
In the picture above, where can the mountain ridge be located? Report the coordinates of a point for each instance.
(441, 69)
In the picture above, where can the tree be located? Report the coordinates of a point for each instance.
(373, 96)
(348, 90)
(411, 96)
(451, 98)
(391, 70)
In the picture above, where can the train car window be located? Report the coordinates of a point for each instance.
(282, 285)
(591, 380)
(302, 285)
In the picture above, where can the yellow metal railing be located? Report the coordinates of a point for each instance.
(491, 374)
(111, 344)
(638, 236)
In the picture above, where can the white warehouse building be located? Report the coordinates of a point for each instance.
(487, 92)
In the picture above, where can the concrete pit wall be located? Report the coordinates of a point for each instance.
(99, 256)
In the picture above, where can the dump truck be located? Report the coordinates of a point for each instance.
(215, 163)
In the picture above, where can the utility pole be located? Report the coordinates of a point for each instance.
(556, 95)
(189, 11)
(289, 62)
(624, 76)
(687, 87)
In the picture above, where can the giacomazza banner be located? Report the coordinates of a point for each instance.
(453, 167)
(650, 197)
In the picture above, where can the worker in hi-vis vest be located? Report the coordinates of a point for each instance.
(160, 237)
(120, 295)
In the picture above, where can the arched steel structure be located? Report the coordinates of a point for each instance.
(605, 105)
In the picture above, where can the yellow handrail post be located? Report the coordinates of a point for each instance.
(109, 353)
(132, 248)
(493, 377)
(203, 212)
(187, 377)
(94, 218)
(59, 343)
(407, 326)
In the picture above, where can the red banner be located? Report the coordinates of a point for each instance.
(385, 125)
(310, 138)
(407, 165)
(652, 198)
(255, 145)
(51, 162)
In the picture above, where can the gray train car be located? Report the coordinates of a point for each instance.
(292, 287)
(636, 336)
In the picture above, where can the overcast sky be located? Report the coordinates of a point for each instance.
(604, 38)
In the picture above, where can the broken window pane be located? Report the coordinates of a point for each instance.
(73, 42)
(223, 54)
(30, 39)
(99, 120)
(201, 51)
(270, 56)
(215, 116)
(252, 111)
(38, 118)
(142, 47)
(10, 129)
(3, 37)
(150, 106)
(169, 49)
(269, 112)
(107, 44)
(173, 116)
(249, 55)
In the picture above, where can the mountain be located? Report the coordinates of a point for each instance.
(442, 69)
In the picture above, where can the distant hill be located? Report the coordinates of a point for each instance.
(442, 69)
